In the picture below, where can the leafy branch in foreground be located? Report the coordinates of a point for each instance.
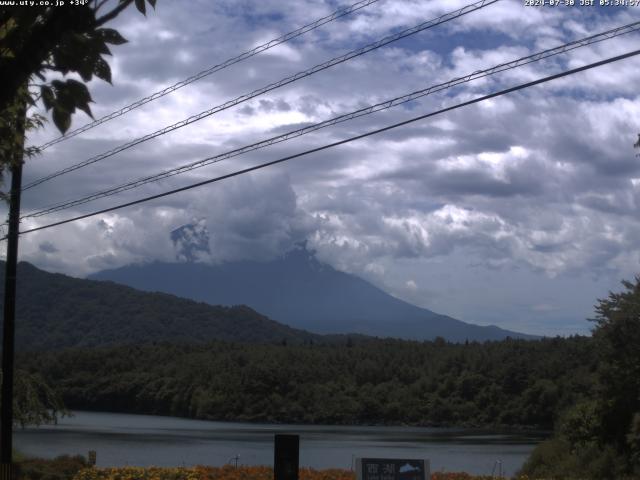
(34, 401)
(38, 41)
(39, 47)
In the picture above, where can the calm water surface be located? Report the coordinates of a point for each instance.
(143, 440)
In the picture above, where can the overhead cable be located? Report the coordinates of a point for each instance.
(248, 96)
(341, 142)
(612, 33)
(341, 12)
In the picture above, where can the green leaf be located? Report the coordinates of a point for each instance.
(64, 99)
(100, 46)
(48, 98)
(30, 100)
(140, 5)
(62, 60)
(102, 70)
(65, 102)
(109, 35)
(61, 119)
(78, 53)
(85, 68)
(152, 3)
(79, 91)
(86, 109)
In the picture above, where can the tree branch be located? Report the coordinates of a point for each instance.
(113, 13)
(99, 4)
(37, 47)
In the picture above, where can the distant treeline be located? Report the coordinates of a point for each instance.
(361, 381)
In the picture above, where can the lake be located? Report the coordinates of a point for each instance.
(143, 440)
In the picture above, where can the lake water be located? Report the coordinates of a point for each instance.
(143, 440)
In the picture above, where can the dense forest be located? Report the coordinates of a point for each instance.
(361, 381)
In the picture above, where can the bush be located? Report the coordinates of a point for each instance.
(551, 459)
(555, 459)
(60, 468)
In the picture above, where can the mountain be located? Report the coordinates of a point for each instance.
(57, 311)
(302, 292)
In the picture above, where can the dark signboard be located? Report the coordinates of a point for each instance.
(286, 456)
(392, 469)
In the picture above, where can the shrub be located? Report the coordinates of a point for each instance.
(60, 468)
(559, 459)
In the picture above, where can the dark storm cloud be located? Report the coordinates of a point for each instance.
(47, 247)
(479, 182)
(619, 204)
(279, 105)
(260, 217)
(577, 146)
(247, 110)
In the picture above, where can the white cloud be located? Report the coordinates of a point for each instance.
(411, 285)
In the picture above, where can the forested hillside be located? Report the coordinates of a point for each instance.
(513, 382)
(57, 311)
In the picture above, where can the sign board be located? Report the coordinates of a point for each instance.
(286, 457)
(392, 469)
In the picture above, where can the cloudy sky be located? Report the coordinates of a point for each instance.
(520, 211)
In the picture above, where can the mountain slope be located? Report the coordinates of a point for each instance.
(57, 311)
(302, 292)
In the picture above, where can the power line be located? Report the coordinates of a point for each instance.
(293, 78)
(612, 33)
(216, 68)
(341, 142)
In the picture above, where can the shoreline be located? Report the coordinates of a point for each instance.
(494, 428)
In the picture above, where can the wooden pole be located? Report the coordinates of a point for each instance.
(8, 331)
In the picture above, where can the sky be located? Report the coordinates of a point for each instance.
(519, 211)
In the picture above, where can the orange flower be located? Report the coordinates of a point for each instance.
(232, 473)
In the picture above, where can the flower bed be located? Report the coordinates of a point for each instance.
(232, 473)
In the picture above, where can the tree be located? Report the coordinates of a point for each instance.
(13, 124)
(618, 342)
(34, 401)
(38, 41)
(600, 436)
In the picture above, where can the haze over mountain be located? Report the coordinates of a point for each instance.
(56, 311)
(304, 293)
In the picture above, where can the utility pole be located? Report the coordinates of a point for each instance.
(8, 331)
